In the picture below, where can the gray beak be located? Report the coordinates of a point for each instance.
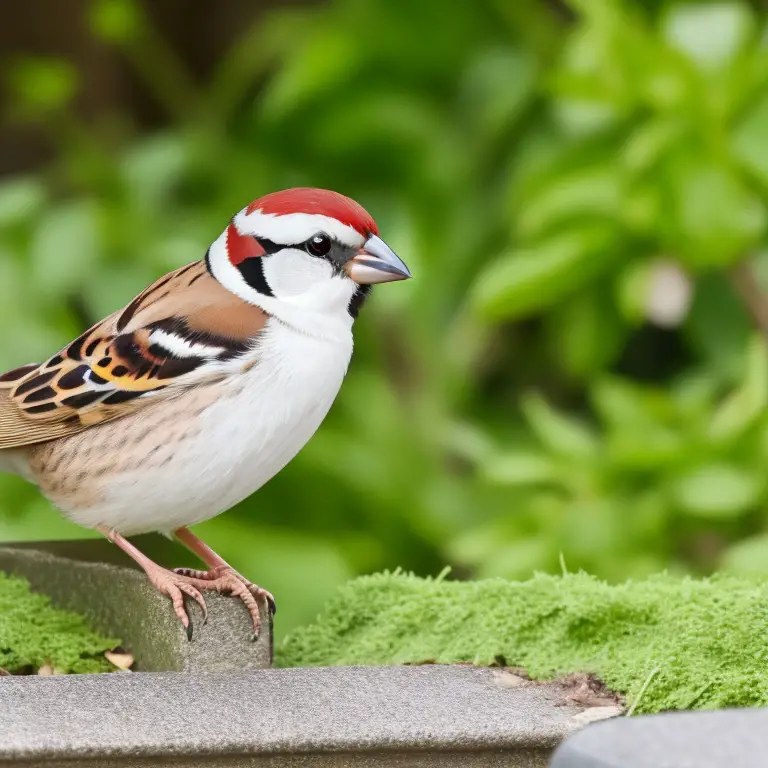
(376, 263)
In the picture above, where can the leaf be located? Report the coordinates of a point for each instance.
(622, 403)
(20, 199)
(718, 327)
(323, 64)
(529, 280)
(638, 418)
(633, 284)
(123, 661)
(521, 468)
(587, 333)
(709, 34)
(715, 217)
(748, 557)
(746, 403)
(594, 190)
(649, 141)
(718, 491)
(496, 88)
(748, 140)
(153, 167)
(116, 21)
(517, 559)
(562, 434)
(43, 85)
(65, 248)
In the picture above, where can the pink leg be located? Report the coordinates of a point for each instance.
(167, 582)
(222, 577)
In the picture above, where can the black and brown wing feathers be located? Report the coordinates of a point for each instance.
(182, 324)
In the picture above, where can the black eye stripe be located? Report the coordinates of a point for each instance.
(270, 246)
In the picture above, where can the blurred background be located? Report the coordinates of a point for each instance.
(577, 377)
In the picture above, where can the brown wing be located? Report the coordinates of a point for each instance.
(185, 328)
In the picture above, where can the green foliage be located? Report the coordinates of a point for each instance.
(517, 399)
(692, 644)
(32, 633)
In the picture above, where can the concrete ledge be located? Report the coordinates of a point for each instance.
(119, 601)
(725, 739)
(366, 716)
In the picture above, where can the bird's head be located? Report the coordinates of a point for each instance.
(305, 247)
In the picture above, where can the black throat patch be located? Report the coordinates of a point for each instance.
(252, 271)
(362, 292)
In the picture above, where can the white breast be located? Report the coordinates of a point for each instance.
(259, 422)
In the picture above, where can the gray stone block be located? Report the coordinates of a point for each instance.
(363, 716)
(119, 601)
(726, 739)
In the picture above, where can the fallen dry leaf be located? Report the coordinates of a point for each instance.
(123, 661)
(45, 670)
(593, 714)
(507, 679)
(4, 672)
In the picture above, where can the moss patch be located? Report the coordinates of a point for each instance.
(33, 633)
(693, 644)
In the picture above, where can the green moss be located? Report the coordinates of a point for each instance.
(699, 644)
(33, 633)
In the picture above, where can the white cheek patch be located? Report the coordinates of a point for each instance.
(320, 310)
(293, 272)
(301, 280)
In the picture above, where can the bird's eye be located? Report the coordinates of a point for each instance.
(319, 245)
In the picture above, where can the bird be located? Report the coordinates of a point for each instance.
(187, 400)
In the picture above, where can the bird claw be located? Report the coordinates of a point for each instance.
(176, 586)
(224, 579)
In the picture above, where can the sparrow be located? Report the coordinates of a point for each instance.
(187, 400)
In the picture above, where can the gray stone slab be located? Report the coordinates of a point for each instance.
(725, 739)
(365, 716)
(120, 602)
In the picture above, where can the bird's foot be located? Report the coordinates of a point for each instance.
(225, 579)
(176, 585)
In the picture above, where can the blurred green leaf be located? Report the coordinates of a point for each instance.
(326, 61)
(718, 491)
(495, 90)
(515, 560)
(529, 280)
(717, 218)
(153, 168)
(594, 191)
(65, 248)
(623, 404)
(748, 557)
(633, 285)
(746, 403)
(20, 199)
(718, 327)
(42, 85)
(587, 333)
(709, 34)
(521, 468)
(115, 21)
(649, 141)
(748, 140)
(560, 433)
